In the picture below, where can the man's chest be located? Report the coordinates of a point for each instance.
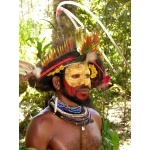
(71, 137)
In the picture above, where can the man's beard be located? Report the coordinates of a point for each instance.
(87, 102)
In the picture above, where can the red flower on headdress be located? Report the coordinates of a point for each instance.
(105, 82)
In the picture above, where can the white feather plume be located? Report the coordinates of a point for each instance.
(91, 56)
(37, 72)
(25, 67)
(26, 70)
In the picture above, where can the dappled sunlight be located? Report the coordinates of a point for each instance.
(122, 124)
(37, 30)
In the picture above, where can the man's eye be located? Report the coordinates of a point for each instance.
(75, 76)
(87, 75)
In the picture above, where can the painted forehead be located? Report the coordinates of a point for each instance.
(77, 68)
(78, 74)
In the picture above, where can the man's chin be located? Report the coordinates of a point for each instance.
(82, 97)
(80, 101)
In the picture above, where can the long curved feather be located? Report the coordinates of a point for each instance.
(25, 67)
(59, 8)
(27, 70)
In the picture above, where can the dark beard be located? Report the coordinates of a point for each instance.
(87, 102)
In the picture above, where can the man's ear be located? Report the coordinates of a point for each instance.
(56, 82)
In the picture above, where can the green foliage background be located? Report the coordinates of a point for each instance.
(35, 42)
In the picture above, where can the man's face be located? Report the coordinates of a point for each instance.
(77, 81)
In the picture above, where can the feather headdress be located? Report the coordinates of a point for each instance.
(81, 47)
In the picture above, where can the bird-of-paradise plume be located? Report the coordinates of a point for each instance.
(73, 18)
(25, 67)
(87, 42)
(55, 53)
(27, 70)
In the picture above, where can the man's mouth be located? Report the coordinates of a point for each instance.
(84, 90)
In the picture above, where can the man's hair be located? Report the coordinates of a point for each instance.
(46, 84)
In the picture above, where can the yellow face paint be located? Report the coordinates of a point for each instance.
(78, 74)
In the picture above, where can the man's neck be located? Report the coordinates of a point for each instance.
(67, 101)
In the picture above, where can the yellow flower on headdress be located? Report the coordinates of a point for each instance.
(57, 70)
(93, 70)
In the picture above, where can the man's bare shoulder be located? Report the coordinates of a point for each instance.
(44, 116)
(40, 128)
(96, 116)
(41, 120)
(93, 112)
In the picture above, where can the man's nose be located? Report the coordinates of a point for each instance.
(85, 81)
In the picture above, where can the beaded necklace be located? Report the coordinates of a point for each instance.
(77, 115)
(69, 109)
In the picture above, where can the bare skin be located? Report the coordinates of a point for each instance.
(48, 132)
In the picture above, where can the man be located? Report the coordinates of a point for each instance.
(68, 123)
